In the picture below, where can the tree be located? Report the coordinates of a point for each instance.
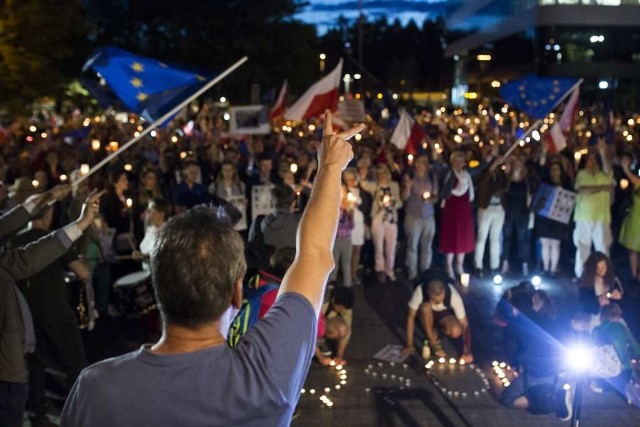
(42, 46)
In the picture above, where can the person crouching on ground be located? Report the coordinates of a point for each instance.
(443, 310)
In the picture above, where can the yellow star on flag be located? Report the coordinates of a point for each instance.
(142, 96)
(136, 82)
(137, 67)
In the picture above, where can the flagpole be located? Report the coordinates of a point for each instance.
(162, 119)
(535, 125)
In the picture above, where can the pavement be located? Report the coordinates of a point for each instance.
(377, 393)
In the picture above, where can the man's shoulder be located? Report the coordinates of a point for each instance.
(95, 373)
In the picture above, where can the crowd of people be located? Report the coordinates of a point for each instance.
(399, 214)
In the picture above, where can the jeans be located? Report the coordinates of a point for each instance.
(517, 223)
(419, 232)
(342, 251)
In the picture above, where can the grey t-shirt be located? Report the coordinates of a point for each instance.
(256, 384)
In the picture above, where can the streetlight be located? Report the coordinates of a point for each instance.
(482, 58)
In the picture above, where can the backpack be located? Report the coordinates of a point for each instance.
(248, 313)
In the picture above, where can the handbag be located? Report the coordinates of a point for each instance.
(606, 363)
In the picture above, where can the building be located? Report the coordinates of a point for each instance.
(490, 41)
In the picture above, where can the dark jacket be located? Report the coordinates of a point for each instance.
(16, 265)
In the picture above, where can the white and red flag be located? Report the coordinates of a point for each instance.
(557, 138)
(281, 102)
(408, 134)
(319, 97)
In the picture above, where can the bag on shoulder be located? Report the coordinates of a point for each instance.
(606, 363)
(248, 314)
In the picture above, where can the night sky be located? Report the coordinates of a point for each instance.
(324, 13)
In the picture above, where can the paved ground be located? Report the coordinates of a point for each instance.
(380, 400)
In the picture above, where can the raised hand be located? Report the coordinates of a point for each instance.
(334, 148)
(90, 209)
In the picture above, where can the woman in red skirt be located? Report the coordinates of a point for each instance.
(456, 217)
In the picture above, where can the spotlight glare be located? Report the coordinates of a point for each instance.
(536, 281)
(497, 279)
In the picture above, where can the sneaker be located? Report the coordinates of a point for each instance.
(323, 346)
(565, 404)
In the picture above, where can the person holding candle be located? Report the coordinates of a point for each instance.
(630, 231)
(384, 227)
(419, 193)
(342, 247)
(361, 218)
(456, 218)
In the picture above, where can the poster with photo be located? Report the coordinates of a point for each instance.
(554, 203)
(260, 200)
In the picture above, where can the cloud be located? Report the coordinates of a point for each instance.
(324, 13)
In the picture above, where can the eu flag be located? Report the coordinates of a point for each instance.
(146, 86)
(536, 96)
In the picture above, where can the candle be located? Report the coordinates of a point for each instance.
(95, 144)
(351, 197)
(84, 169)
(293, 167)
(113, 145)
(63, 178)
(128, 167)
(426, 195)
(624, 183)
(35, 183)
(386, 199)
(464, 280)
(410, 159)
(129, 203)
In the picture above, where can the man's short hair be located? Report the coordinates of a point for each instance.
(435, 288)
(199, 259)
(283, 196)
(162, 205)
(342, 295)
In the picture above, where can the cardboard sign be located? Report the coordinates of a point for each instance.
(554, 203)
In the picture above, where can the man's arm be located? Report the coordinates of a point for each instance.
(80, 268)
(23, 262)
(466, 337)
(316, 233)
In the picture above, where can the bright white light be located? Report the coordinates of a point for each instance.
(556, 47)
(357, 76)
(394, 96)
(603, 84)
(566, 387)
(226, 116)
(536, 135)
(153, 133)
(456, 57)
(497, 279)
(536, 281)
(223, 99)
(579, 358)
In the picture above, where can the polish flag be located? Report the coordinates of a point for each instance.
(408, 134)
(281, 102)
(557, 139)
(319, 97)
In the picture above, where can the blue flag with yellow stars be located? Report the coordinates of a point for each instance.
(146, 86)
(536, 96)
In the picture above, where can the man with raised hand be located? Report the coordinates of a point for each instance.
(190, 377)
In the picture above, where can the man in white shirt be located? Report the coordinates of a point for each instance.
(442, 310)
